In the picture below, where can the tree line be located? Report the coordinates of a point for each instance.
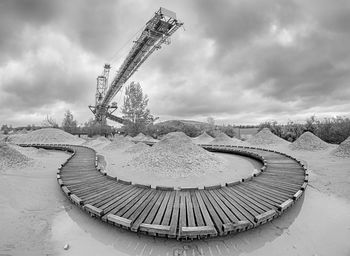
(330, 129)
(138, 119)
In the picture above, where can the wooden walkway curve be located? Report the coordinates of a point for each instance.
(187, 213)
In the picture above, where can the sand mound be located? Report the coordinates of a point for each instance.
(175, 156)
(119, 143)
(102, 139)
(137, 148)
(2, 138)
(308, 141)
(46, 135)
(203, 138)
(223, 138)
(343, 150)
(140, 137)
(151, 139)
(11, 158)
(265, 137)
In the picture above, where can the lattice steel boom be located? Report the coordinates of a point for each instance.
(156, 32)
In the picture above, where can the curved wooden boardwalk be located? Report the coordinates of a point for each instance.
(189, 212)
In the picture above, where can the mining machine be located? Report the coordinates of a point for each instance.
(156, 32)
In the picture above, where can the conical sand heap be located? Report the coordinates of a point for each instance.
(223, 138)
(140, 137)
(137, 148)
(175, 156)
(265, 137)
(308, 141)
(46, 135)
(343, 150)
(203, 138)
(11, 158)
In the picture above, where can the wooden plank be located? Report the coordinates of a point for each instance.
(231, 205)
(93, 210)
(155, 208)
(174, 216)
(245, 204)
(117, 220)
(205, 213)
(225, 209)
(258, 205)
(114, 196)
(214, 216)
(236, 226)
(196, 208)
(155, 229)
(169, 209)
(297, 195)
(260, 196)
(119, 200)
(134, 204)
(189, 210)
(76, 199)
(237, 204)
(197, 231)
(183, 213)
(286, 204)
(264, 216)
(141, 213)
(124, 200)
(157, 220)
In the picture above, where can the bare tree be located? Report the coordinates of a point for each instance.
(49, 122)
(68, 123)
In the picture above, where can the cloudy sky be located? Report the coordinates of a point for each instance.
(241, 62)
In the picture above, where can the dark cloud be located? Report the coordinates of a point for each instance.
(237, 60)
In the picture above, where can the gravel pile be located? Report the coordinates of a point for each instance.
(137, 148)
(265, 137)
(204, 138)
(223, 138)
(46, 136)
(151, 139)
(140, 137)
(2, 138)
(119, 142)
(175, 156)
(308, 141)
(11, 158)
(343, 150)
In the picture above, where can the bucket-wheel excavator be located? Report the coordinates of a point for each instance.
(156, 32)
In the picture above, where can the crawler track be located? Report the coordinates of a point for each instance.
(187, 213)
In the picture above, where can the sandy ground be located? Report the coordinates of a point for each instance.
(234, 168)
(37, 219)
(29, 201)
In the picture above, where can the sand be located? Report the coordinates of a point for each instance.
(29, 201)
(37, 219)
(175, 156)
(11, 158)
(204, 138)
(343, 150)
(140, 137)
(118, 143)
(224, 139)
(97, 142)
(266, 137)
(308, 141)
(137, 148)
(175, 161)
(46, 135)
